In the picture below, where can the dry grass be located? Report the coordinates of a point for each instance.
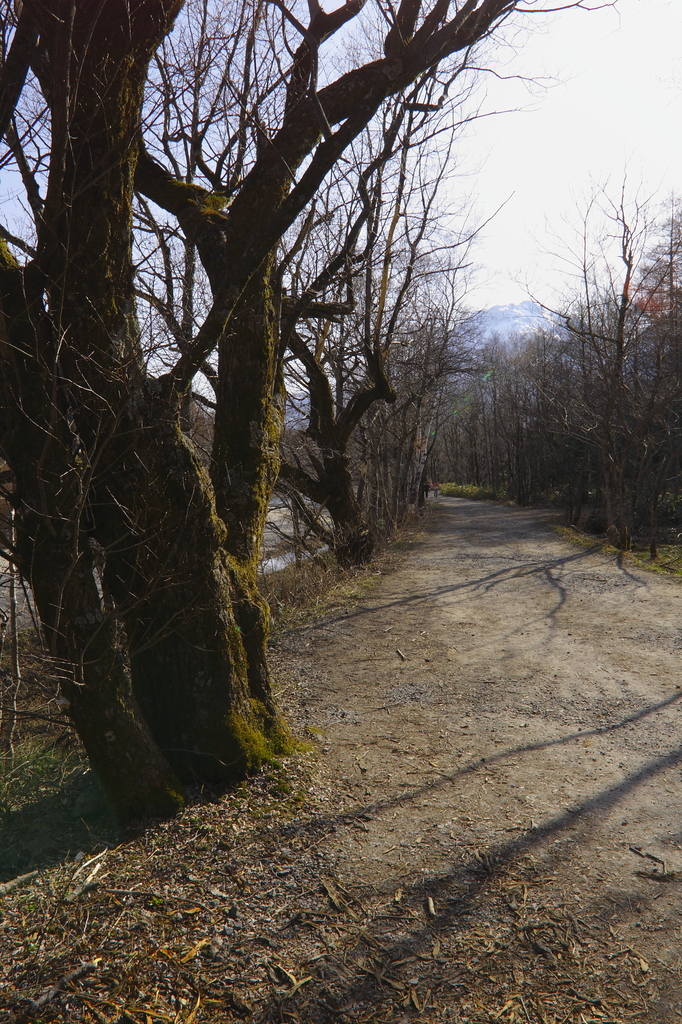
(318, 586)
(297, 592)
(668, 561)
(472, 491)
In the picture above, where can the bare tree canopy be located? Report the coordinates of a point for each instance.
(143, 561)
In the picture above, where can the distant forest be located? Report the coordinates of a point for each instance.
(583, 412)
(587, 415)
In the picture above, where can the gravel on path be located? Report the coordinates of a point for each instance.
(504, 694)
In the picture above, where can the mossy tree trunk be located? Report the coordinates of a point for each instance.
(134, 774)
(161, 668)
(168, 638)
(246, 456)
(175, 589)
(55, 554)
(170, 583)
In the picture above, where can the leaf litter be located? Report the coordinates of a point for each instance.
(235, 911)
(230, 912)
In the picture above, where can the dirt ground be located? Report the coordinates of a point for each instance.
(506, 694)
(485, 826)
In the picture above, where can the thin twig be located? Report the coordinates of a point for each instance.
(14, 883)
(67, 979)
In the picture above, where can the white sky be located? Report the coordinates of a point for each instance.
(615, 107)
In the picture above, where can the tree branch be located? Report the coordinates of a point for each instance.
(21, 53)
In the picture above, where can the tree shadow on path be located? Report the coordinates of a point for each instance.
(461, 899)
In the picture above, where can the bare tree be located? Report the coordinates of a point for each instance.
(341, 349)
(143, 565)
(588, 415)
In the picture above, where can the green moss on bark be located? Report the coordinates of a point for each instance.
(258, 738)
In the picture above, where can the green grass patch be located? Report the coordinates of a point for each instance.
(472, 491)
(35, 772)
(50, 802)
(668, 561)
(50, 806)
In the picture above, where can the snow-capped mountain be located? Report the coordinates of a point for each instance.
(514, 318)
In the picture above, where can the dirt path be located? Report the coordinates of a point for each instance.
(504, 694)
(499, 723)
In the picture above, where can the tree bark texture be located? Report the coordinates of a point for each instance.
(143, 568)
(245, 458)
(161, 690)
